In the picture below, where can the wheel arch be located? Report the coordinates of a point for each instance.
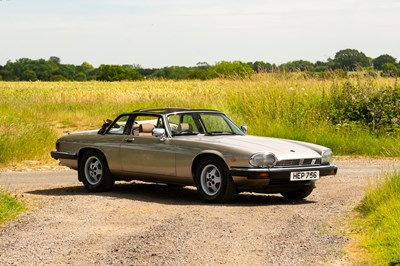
(82, 152)
(203, 155)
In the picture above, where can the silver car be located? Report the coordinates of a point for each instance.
(202, 148)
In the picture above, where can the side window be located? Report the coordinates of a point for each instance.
(214, 123)
(173, 121)
(143, 125)
(188, 119)
(120, 126)
(182, 125)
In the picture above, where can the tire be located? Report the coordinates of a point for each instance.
(298, 194)
(213, 181)
(94, 173)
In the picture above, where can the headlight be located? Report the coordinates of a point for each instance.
(326, 157)
(262, 160)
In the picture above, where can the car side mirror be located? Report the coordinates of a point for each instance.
(104, 127)
(244, 129)
(159, 133)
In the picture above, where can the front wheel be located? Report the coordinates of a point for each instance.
(94, 173)
(298, 194)
(213, 181)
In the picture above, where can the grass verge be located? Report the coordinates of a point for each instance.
(10, 206)
(377, 229)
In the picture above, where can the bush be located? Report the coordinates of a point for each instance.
(377, 109)
(233, 70)
(390, 70)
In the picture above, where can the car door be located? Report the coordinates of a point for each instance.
(143, 154)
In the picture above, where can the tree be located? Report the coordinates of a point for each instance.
(235, 69)
(87, 69)
(351, 60)
(260, 66)
(54, 59)
(298, 65)
(172, 72)
(201, 73)
(63, 72)
(44, 69)
(80, 76)
(29, 75)
(117, 73)
(383, 59)
(202, 65)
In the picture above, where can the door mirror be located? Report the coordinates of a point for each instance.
(159, 133)
(244, 129)
(104, 127)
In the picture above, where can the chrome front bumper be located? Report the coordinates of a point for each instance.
(281, 172)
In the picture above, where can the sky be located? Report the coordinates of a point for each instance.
(158, 33)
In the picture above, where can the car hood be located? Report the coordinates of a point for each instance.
(282, 148)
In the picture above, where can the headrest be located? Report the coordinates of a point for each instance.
(185, 127)
(146, 128)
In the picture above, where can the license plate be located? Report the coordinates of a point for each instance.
(305, 175)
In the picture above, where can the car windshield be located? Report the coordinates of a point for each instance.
(202, 123)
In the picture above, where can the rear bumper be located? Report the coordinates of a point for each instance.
(63, 155)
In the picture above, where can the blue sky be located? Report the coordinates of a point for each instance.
(156, 33)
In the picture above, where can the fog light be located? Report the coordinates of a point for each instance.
(332, 172)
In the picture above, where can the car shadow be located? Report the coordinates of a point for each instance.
(166, 194)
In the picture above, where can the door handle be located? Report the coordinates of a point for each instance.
(130, 140)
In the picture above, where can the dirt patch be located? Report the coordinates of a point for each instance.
(151, 224)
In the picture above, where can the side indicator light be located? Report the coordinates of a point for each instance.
(332, 172)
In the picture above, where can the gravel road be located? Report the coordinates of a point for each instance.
(150, 224)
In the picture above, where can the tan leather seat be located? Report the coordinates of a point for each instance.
(146, 130)
(185, 128)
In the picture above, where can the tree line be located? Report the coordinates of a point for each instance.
(346, 60)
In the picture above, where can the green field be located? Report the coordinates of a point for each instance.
(34, 114)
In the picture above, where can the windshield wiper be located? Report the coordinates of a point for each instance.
(186, 134)
(220, 133)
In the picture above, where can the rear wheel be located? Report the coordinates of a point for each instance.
(94, 173)
(213, 181)
(298, 194)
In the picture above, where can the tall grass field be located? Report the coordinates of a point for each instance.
(34, 114)
(378, 226)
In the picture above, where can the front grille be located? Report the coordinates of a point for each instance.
(299, 162)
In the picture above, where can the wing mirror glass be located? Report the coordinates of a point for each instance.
(244, 129)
